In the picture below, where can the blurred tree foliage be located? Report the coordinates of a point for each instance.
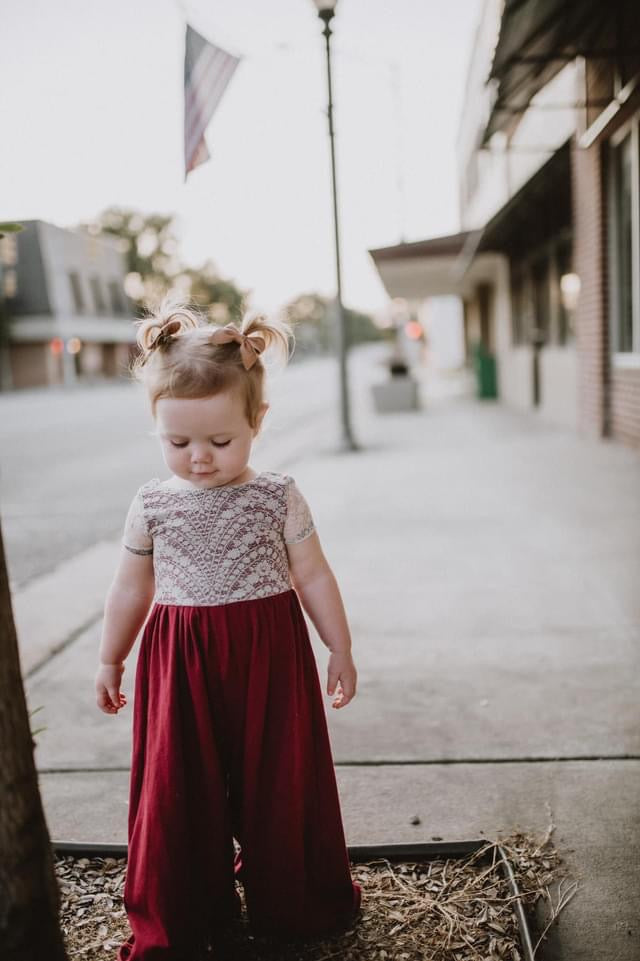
(154, 265)
(314, 322)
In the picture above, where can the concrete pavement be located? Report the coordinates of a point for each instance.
(489, 564)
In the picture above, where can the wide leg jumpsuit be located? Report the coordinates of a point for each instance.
(230, 736)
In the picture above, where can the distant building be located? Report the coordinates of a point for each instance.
(69, 318)
(548, 259)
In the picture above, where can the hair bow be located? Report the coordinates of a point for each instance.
(164, 335)
(251, 345)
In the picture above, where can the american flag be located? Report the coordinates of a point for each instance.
(207, 71)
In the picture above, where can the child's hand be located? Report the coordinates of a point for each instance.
(108, 696)
(342, 675)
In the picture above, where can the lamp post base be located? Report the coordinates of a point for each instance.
(346, 444)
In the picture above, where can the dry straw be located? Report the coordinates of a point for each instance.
(441, 910)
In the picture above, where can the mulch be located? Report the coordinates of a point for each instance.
(450, 909)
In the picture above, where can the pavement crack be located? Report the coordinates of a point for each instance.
(69, 639)
(416, 762)
(390, 762)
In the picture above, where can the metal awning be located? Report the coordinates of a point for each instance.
(537, 212)
(537, 38)
(456, 263)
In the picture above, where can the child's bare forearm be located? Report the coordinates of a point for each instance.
(124, 614)
(321, 599)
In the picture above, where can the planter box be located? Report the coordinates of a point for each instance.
(440, 850)
(396, 394)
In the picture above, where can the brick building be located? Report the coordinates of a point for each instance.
(66, 317)
(548, 260)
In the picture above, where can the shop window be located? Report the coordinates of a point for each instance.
(624, 239)
(621, 208)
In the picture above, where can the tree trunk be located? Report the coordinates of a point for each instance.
(29, 898)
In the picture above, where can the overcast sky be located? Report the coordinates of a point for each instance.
(91, 113)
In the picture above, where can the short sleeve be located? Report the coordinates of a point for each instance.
(136, 537)
(299, 523)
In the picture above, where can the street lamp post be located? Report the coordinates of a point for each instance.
(326, 10)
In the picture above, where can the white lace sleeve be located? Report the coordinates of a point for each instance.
(136, 537)
(299, 523)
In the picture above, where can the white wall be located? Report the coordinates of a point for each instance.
(559, 385)
(442, 319)
(515, 377)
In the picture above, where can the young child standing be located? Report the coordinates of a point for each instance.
(230, 736)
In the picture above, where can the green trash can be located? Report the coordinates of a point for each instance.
(485, 370)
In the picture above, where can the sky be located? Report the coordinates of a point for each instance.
(91, 114)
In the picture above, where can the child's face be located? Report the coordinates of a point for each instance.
(206, 441)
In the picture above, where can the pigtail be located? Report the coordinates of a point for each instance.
(276, 332)
(162, 324)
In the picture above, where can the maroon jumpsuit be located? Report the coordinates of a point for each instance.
(230, 735)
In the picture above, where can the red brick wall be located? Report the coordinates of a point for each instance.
(609, 396)
(589, 262)
(625, 405)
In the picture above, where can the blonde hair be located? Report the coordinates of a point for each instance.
(178, 359)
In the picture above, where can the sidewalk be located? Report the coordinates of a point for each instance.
(489, 566)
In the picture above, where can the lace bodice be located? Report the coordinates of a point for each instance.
(218, 544)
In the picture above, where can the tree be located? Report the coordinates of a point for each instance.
(154, 266)
(29, 897)
(224, 301)
(313, 320)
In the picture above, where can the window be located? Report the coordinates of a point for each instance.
(115, 296)
(624, 241)
(96, 293)
(76, 292)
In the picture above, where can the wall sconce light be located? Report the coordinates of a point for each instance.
(569, 291)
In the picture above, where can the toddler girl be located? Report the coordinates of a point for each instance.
(230, 735)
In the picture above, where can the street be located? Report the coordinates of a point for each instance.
(72, 459)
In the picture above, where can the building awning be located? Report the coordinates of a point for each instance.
(432, 268)
(446, 246)
(457, 263)
(536, 213)
(537, 38)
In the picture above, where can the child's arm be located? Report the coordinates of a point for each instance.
(318, 590)
(126, 607)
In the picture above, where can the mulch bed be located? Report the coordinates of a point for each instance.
(456, 909)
